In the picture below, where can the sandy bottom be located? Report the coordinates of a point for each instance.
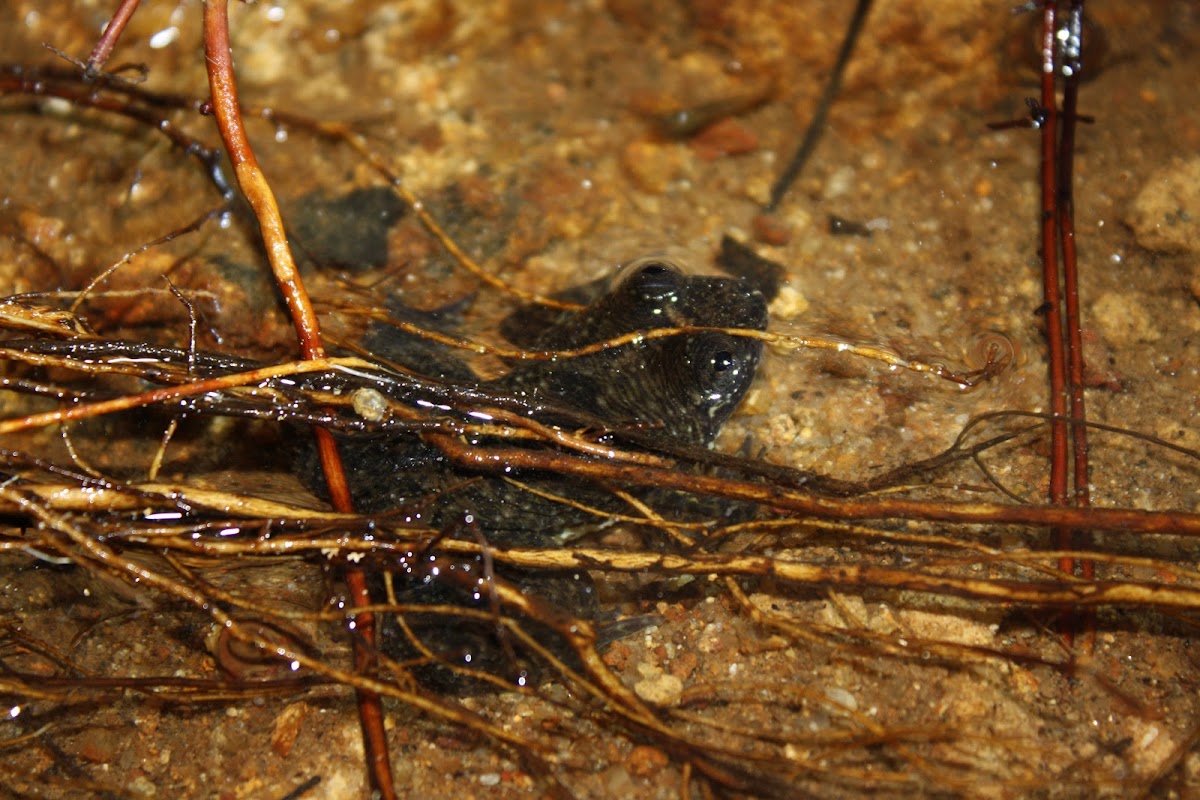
(541, 134)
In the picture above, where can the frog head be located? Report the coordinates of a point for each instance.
(686, 384)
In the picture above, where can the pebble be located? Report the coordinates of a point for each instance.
(644, 761)
(660, 689)
(654, 166)
(1165, 215)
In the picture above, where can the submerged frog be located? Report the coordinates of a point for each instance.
(679, 388)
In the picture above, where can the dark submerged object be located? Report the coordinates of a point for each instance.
(679, 388)
(687, 384)
(346, 232)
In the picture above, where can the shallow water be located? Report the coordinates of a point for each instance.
(528, 127)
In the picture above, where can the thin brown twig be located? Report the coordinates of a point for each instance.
(793, 500)
(802, 502)
(29, 83)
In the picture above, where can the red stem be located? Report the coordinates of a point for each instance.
(258, 193)
(1075, 365)
(108, 40)
(1063, 56)
(1066, 223)
(1051, 297)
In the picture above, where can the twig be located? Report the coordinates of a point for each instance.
(817, 125)
(108, 40)
(257, 191)
(1072, 54)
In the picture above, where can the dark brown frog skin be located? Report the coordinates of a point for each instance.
(680, 388)
(686, 385)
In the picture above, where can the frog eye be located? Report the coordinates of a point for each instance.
(723, 361)
(718, 369)
(652, 279)
(653, 271)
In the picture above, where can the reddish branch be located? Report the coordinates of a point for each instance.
(1047, 117)
(804, 503)
(257, 191)
(38, 84)
(1066, 223)
(108, 39)
(1061, 56)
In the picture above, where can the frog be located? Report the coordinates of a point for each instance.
(678, 389)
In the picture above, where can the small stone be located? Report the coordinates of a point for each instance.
(287, 727)
(789, 304)
(727, 137)
(770, 229)
(653, 166)
(97, 746)
(617, 655)
(645, 761)
(1123, 319)
(661, 689)
(142, 786)
(1165, 215)
(842, 697)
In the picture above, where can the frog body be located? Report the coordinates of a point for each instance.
(678, 388)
